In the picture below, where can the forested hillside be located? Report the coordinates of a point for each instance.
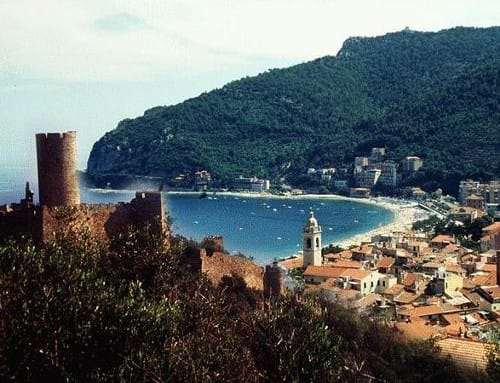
(435, 95)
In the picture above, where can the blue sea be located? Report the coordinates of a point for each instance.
(264, 228)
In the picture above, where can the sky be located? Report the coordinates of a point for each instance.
(86, 65)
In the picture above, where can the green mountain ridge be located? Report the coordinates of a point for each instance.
(435, 95)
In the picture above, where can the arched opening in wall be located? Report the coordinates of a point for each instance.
(317, 242)
(308, 243)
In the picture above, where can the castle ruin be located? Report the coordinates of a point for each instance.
(60, 212)
(56, 160)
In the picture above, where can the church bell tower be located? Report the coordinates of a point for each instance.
(312, 242)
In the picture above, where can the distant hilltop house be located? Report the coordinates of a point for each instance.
(60, 211)
(376, 170)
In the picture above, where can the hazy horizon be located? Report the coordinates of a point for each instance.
(84, 66)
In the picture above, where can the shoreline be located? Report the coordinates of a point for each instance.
(405, 213)
(404, 218)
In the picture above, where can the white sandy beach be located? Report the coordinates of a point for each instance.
(404, 217)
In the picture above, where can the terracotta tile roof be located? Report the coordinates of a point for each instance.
(433, 300)
(348, 264)
(455, 329)
(332, 256)
(452, 318)
(411, 278)
(489, 267)
(493, 228)
(426, 310)
(475, 298)
(347, 293)
(385, 262)
(323, 271)
(484, 280)
(394, 290)
(420, 311)
(356, 273)
(466, 354)
(425, 250)
(494, 291)
(406, 297)
(329, 284)
(442, 238)
(457, 269)
(416, 330)
(467, 283)
(451, 248)
(346, 254)
(365, 249)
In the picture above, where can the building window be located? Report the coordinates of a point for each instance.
(308, 243)
(317, 242)
(364, 285)
(383, 283)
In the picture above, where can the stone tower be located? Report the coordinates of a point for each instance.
(312, 242)
(56, 160)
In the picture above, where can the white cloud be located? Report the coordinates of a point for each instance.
(97, 40)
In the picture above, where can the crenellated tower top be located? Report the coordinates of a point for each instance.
(56, 160)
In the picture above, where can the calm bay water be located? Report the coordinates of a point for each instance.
(264, 228)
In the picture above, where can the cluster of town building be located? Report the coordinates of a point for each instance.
(488, 193)
(368, 172)
(475, 200)
(424, 286)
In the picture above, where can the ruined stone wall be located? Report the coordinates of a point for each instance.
(56, 160)
(101, 221)
(219, 265)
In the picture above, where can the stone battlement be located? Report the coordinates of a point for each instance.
(102, 221)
